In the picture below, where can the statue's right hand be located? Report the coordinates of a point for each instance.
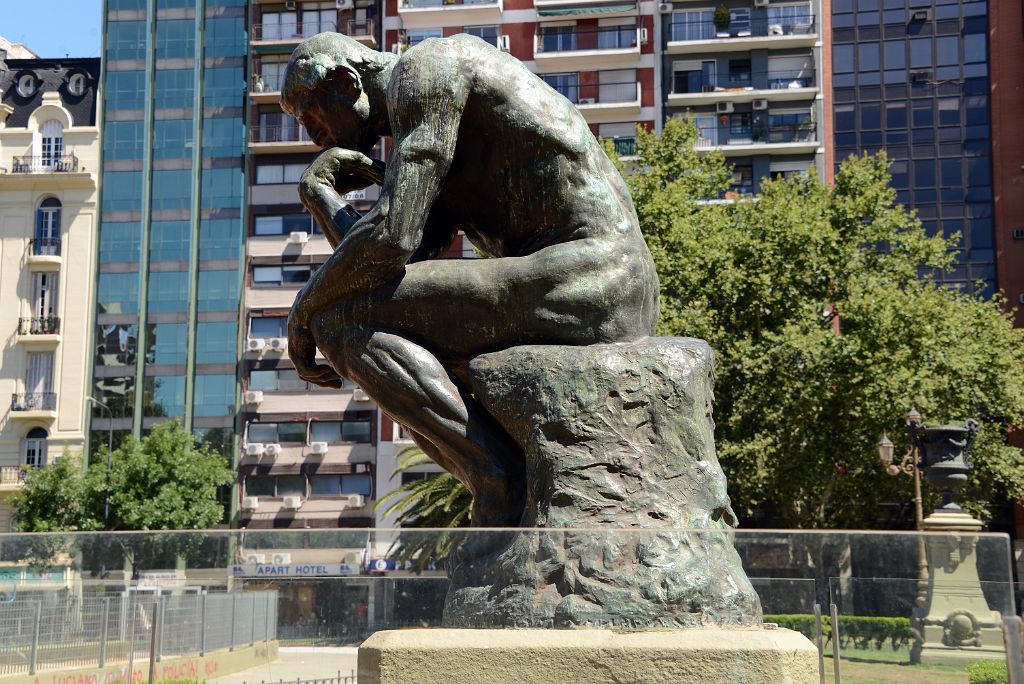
(333, 170)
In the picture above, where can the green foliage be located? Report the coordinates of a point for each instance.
(854, 630)
(824, 333)
(164, 482)
(722, 18)
(987, 672)
(436, 502)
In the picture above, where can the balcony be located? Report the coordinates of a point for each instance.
(11, 477)
(289, 33)
(741, 36)
(265, 87)
(280, 139)
(363, 30)
(64, 163)
(44, 253)
(699, 88)
(605, 102)
(555, 49)
(431, 13)
(742, 141)
(624, 146)
(34, 405)
(47, 325)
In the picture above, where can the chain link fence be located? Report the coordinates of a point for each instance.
(90, 631)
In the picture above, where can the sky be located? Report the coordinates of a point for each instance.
(53, 28)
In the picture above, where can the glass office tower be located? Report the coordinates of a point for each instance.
(172, 215)
(911, 77)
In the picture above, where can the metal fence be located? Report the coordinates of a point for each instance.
(37, 635)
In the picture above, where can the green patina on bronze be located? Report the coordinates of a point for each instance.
(482, 145)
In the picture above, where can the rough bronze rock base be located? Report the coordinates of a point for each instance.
(615, 436)
(591, 656)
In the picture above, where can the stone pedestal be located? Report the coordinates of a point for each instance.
(588, 656)
(956, 622)
(620, 458)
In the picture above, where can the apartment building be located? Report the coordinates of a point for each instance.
(49, 162)
(750, 74)
(172, 216)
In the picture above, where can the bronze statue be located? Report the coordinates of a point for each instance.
(480, 145)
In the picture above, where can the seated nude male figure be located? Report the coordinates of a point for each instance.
(481, 145)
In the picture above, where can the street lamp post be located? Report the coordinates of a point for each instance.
(910, 465)
(110, 450)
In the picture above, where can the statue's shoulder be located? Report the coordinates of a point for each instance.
(429, 64)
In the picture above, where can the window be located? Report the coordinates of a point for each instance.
(268, 326)
(47, 237)
(356, 431)
(51, 145)
(275, 174)
(126, 90)
(174, 88)
(118, 293)
(172, 139)
(416, 36)
(408, 478)
(35, 448)
(26, 85)
(167, 343)
(273, 380)
(739, 73)
(170, 240)
(270, 75)
(617, 86)
(222, 86)
(222, 188)
(334, 485)
(39, 379)
(224, 37)
(318, 21)
(172, 190)
(116, 344)
(281, 275)
(270, 433)
(168, 291)
(164, 396)
(567, 85)
(790, 18)
(325, 485)
(283, 225)
(220, 238)
(215, 342)
(742, 180)
(278, 25)
(218, 290)
(617, 37)
(223, 137)
(175, 38)
(291, 485)
(122, 140)
(740, 131)
(693, 25)
(281, 485)
(259, 486)
(44, 295)
(357, 484)
(340, 431)
(558, 38)
(487, 33)
(126, 40)
(214, 395)
(739, 21)
(77, 84)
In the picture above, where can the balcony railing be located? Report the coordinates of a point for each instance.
(34, 401)
(622, 92)
(708, 137)
(46, 325)
(798, 25)
(64, 163)
(11, 476)
(275, 134)
(624, 146)
(606, 38)
(266, 83)
(292, 31)
(424, 4)
(687, 82)
(45, 246)
(358, 27)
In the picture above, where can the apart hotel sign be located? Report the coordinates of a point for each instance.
(295, 570)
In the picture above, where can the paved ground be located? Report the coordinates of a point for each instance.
(299, 663)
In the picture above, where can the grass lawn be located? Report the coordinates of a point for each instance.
(885, 665)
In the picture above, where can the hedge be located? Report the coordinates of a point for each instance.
(856, 630)
(987, 672)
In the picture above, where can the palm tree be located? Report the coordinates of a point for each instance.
(436, 502)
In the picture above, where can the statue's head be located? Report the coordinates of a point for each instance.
(324, 88)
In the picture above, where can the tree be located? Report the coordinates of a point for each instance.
(824, 332)
(166, 481)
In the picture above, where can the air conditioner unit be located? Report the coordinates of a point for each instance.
(281, 559)
(396, 48)
(344, 4)
(255, 344)
(278, 344)
(255, 558)
(272, 450)
(775, 30)
(643, 36)
(293, 503)
(587, 100)
(251, 503)
(1018, 233)
(921, 76)
(503, 43)
(760, 3)
(289, 4)
(724, 108)
(318, 448)
(254, 397)
(921, 15)
(760, 104)
(254, 449)
(298, 237)
(359, 394)
(665, 7)
(356, 501)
